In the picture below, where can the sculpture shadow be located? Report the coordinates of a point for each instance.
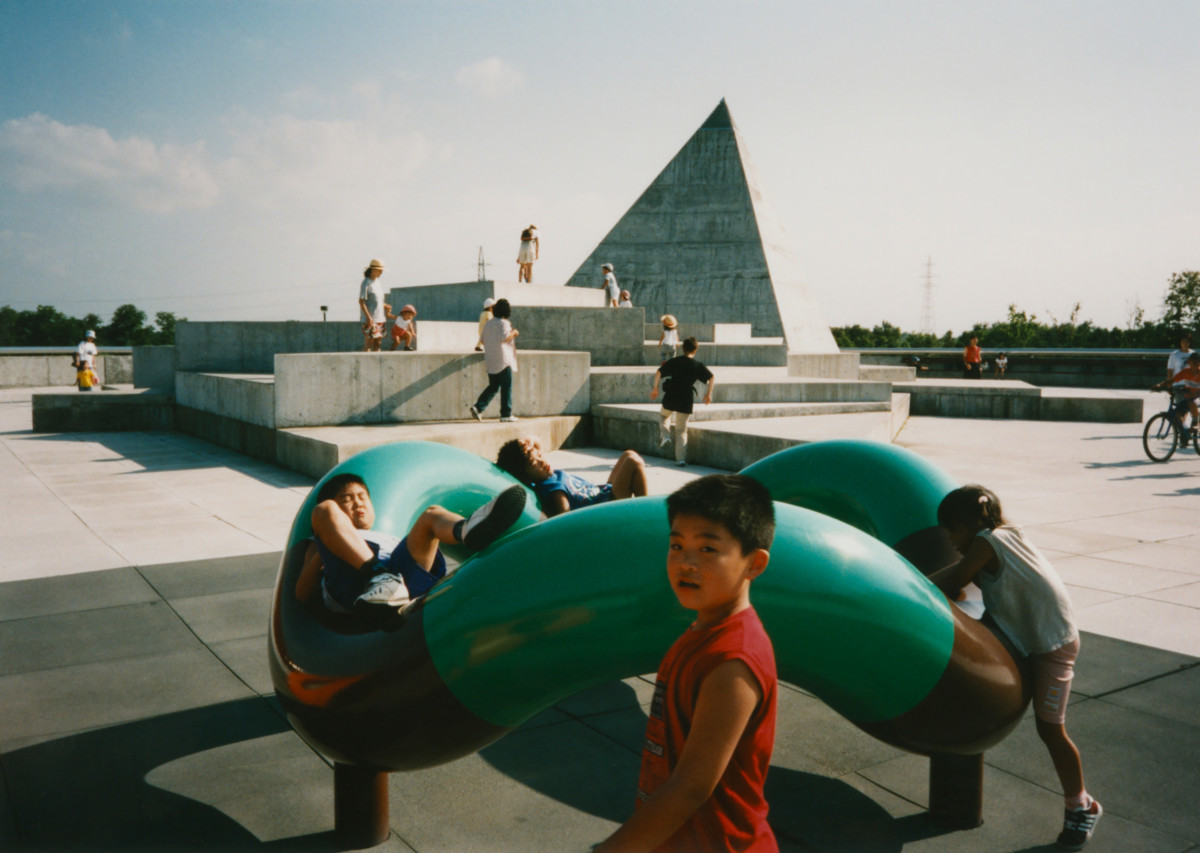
(92, 791)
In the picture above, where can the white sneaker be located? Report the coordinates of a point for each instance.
(385, 589)
(511, 419)
(490, 521)
(681, 463)
(664, 441)
(475, 413)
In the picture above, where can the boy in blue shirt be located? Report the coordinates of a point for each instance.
(559, 491)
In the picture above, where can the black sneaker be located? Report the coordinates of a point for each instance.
(490, 521)
(1078, 826)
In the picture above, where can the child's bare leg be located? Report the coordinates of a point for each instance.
(628, 477)
(434, 526)
(337, 533)
(1065, 756)
(1195, 411)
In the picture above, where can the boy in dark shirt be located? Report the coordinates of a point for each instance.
(679, 376)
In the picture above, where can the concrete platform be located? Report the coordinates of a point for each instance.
(738, 385)
(135, 576)
(108, 408)
(1013, 399)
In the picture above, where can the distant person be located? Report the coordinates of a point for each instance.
(85, 354)
(375, 574)
(625, 301)
(85, 377)
(484, 316)
(973, 359)
(1177, 360)
(528, 253)
(612, 293)
(561, 491)
(499, 359)
(914, 362)
(711, 724)
(679, 377)
(371, 304)
(668, 341)
(1028, 601)
(1001, 366)
(404, 328)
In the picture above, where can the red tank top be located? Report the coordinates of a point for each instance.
(735, 816)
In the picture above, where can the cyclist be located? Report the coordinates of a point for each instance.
(1188, 382)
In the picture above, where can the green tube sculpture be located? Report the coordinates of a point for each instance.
(562, 604)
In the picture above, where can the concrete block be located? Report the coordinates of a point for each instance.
(887, 372)
(154, 367)
(1090, 406)
(743, 354)
(117, 367)
(441, 336)
(240, 397)
(824, 365)
(102, 411)
(364, 388)
(215, 347)
(459, 302)
(26, 371)
(328, 388)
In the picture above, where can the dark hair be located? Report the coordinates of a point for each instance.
(690, 344)
(513, 459)
(331, 487)
(972, 507)
(501, 309)
(740, 504)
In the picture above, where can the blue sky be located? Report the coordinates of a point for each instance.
(244, 160)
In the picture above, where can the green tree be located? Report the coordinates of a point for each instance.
(1181, 304)
(165, 333)
(128, 327)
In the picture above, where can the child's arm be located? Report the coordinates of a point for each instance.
(387, 312)
(512, 336)
(310, 574)
(954, 577)
(555, 504)
(728, 698)
(654, 390)
(662, 337)
(712, 380)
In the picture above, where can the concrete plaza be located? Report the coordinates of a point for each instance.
(135, 577)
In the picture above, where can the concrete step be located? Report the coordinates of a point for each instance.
(759, 352)
(315, 450)
(738, 385)
(735, 443)
(887, 373)
(739, 411)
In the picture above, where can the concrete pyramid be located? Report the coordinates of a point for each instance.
(702, 243)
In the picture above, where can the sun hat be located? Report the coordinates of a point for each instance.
(89, 334)
(489, 302)
(669, 321)
(624, 294)
(376, 264)
(409, 308)
(606, 267)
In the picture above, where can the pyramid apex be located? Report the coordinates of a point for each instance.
(719, 118)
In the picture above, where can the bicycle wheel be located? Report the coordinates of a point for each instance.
(1159, 438)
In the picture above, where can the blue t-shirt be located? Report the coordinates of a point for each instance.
(579, 492)
(344, 583)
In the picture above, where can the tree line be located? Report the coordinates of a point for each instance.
(47, 326)
(1180, 313)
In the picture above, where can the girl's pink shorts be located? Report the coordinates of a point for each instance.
(1052, 674)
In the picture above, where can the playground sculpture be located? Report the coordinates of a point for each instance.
(851, 620)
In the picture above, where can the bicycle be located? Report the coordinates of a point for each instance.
(1165, 431)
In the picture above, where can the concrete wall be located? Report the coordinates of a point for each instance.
(251, 347)
(463, 301)
(611, 336)
(365, 388)
(154, 367)
(824, 365)
(1080, 368)
(1019, 401)
(43, 369)
(729, 354)
(721, 333)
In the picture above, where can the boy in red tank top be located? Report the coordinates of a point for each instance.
(712, 720)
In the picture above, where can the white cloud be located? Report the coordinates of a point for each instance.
(276, 163)
(490, 77)
(38, 154)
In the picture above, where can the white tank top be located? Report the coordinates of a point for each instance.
(1026, 596)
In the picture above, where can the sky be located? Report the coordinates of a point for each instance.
(246, 160)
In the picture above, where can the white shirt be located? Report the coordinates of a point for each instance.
(371, 292)
(498, 354)
(1177, 361)
(1026, 596)
(86, 351)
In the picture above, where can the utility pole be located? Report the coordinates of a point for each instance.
(927, 302)
(482, 267)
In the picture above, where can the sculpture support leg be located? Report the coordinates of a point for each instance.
(956, 790)
(360, 806)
